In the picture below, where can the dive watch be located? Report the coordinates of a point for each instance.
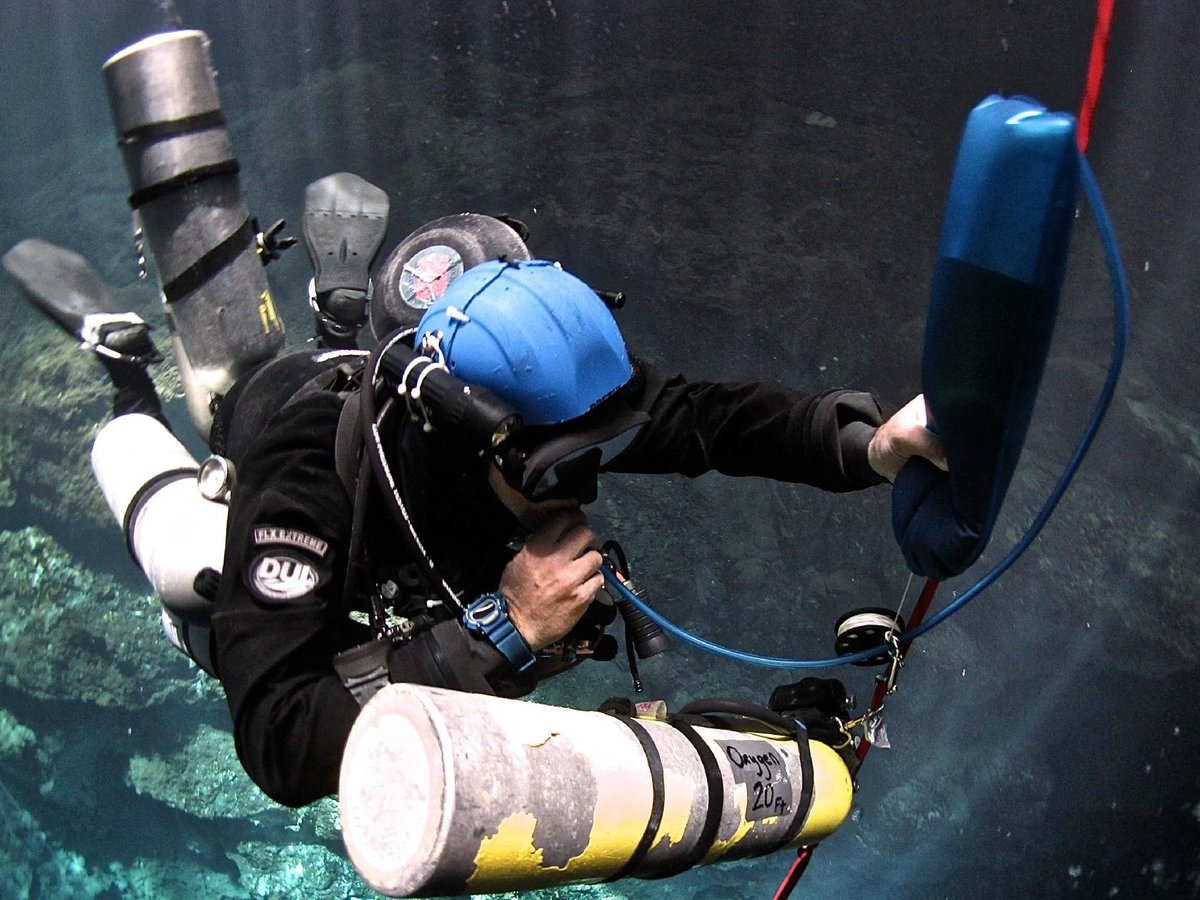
(487, 615)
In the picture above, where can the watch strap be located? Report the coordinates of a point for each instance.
(487, 615)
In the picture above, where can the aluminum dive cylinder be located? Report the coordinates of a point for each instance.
(445, 793)
(185, 192)
(173, 532)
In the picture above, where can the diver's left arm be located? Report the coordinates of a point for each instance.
(837, 440)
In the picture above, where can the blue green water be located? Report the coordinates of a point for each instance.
(765, 181)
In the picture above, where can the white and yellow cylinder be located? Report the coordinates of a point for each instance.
(148, 479)
(449, 793)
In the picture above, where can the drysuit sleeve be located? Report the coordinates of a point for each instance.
(280, 619)
(751, 428)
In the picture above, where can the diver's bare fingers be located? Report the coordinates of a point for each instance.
(585, 568)
(592, 587)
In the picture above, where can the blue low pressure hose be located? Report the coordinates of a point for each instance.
(1120, 339)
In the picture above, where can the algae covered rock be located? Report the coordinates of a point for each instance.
(14, 737)
(295, 870)
(203, 778)
(34, 865)
(70, 634)
(51, 414)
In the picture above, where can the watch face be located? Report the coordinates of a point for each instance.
(426, 276)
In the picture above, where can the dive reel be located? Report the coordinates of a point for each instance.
(866, 628)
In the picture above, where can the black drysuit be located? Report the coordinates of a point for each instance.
(280, 617)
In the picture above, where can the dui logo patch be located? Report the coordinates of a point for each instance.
(278, 577)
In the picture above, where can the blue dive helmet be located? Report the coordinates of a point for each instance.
(534, 335)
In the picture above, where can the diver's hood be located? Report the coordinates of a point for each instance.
(419, 270)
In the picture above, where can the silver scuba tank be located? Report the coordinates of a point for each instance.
(175, 533)
(184, 183)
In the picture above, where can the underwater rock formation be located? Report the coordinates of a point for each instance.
(14, 737)
(203, 779)
(51, 414)
(34, 865)
(296, 870)
(71, 634)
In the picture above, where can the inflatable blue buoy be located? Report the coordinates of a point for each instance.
(992, 307)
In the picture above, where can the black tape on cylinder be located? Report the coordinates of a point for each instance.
(151, 192)
(198, 273)
(804, 806)
(152, 132)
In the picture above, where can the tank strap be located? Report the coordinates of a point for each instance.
(737, 715)
(805, 802)
(364, 669)
(654, 822)
(348, 445)
(140, 198)
(685, 725)
(152, 132)
(215, 260)
(144, 493)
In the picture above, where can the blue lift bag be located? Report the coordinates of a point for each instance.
(993, 302)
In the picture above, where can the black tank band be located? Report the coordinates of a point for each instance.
(716, 798)
(143, 495)
(198, 273)
(654, 822)
(153, 132)
(141, 197)
(736, 715)
(804, 803)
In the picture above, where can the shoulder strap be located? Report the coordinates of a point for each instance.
(348, 445)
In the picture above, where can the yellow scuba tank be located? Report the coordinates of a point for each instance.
(444, 792)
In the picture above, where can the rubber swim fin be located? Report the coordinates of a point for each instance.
(345, 219)
(63, 286)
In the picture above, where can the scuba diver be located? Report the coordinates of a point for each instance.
(413, 514)
(490, 584)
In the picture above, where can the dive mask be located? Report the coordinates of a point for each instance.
(547, 463)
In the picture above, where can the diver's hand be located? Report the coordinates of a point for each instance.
(902, 437)
(552, 580)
